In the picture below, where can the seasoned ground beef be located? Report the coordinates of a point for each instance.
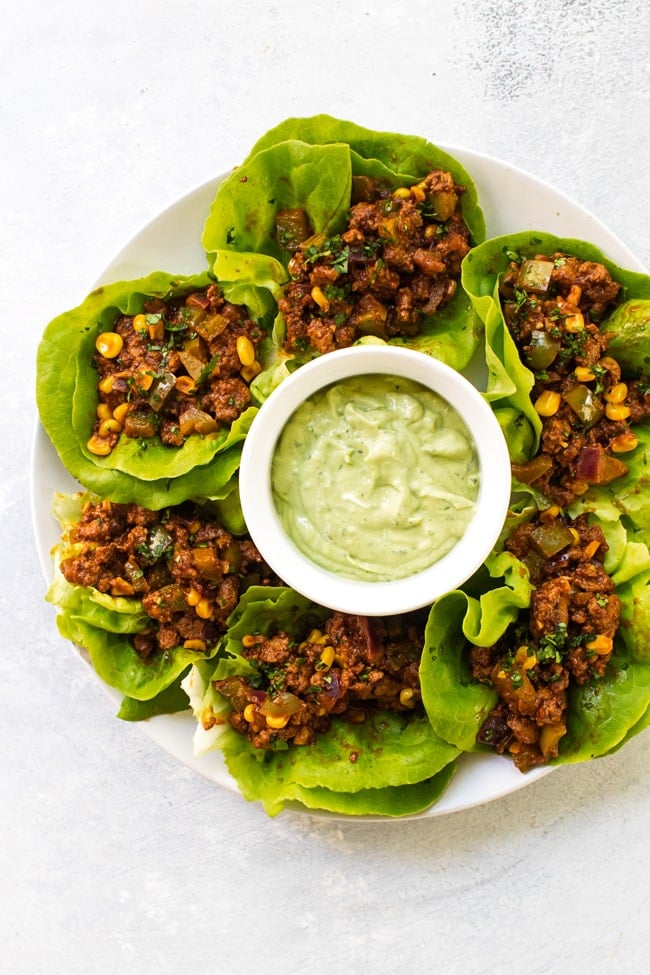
(553, 306)
(179, 367)
(566, 636)
(186, 570)
(396, 263)
(350, 667)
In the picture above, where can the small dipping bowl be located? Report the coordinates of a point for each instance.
(331, 589)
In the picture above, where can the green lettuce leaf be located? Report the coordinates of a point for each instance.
(309, 163)
(509, 381)
(382, 753)
(291, 174)
(104, 626)
(171, 700)
(456, 704)
(144, 472)
(396, 772)
(390, 156)
(115, 660)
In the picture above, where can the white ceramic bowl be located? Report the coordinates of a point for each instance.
(333, 590)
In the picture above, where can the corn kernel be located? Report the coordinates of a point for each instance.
(194, 645)
(407, 697)
(140, 323)
(584, 374)
(401, 193)
(251, 639)
(109, 426)
(104, 412)
(249, 713)
(245, 350)
(355, 715)
(99, 447)
(203, 608)
(624, 442)
(617, 411)
(610, 364)
(120, 412)
(601, 644)
(418, 193)
(314, 636)
(320, 298)
(193, 597)
(524, 658)
(109, 344)
(548, 403)
(105, 385)
(616, 393)
(326, 658)
(277, 721)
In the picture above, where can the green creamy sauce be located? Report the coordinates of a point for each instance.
(375, 478)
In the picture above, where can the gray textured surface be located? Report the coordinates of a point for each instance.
(114, 857)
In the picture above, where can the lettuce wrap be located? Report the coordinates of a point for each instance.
(105, 625)
(509, 380)
(310, 163)
(142, 471)
(391, 764)
(602, 713)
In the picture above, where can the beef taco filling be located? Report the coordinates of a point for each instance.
(567, 635)
(350, 667)
(555, 307)
(187, 571)
(180, 367)
(396, 263)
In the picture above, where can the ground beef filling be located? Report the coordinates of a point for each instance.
(396, 263)
(553, 307)
(350, 667)
(566, 636)
(180, 367)
(186, 570)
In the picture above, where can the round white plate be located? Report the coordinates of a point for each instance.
(512, 200)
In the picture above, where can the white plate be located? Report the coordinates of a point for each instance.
(512, 201)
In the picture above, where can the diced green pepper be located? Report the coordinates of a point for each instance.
(535, 276)
(543, 350)
(585, 404)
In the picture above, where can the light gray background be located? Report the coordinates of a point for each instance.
(114, 858)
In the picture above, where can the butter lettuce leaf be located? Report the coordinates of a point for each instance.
(509, 381)
(145, 472)
(104, 626)
(396, 769)
(389, 156)
(455, 703)
(171, 700)
(291, 174)
(385, 752)
(309, 164)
